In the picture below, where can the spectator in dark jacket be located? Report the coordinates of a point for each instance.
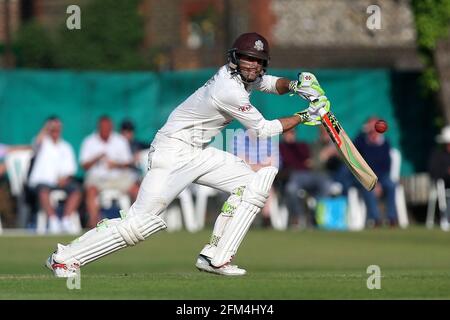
(127, 130)
(296, 166)
(375, 149)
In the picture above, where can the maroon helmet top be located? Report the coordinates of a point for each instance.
(252, 44)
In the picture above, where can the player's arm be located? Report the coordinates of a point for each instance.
(89, 163)
(309, 116)
(272, 84)
(290, 122)
(283, 85)
(306, 85)
(89, 156)
(125, 159)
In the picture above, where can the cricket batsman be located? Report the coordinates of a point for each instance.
(180, 155)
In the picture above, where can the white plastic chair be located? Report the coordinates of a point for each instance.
(108, 196)
(400, 199)
(356, 210)
(55, 197)
(279, 214)
(17, 164)
(438, 193)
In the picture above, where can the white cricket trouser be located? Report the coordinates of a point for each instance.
(174, 164)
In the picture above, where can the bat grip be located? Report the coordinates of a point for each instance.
(322, 112)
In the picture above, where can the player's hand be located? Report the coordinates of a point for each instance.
(311, 116)
(112, 164)
(316, 105)
(307, 86)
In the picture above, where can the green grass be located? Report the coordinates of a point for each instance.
(415, 264)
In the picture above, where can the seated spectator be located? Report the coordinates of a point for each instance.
(53, 169)
(439, 163)
(326, 159)
(106, 157)
(375, 149)
(296, 164)
(127, 131)
(257, 153)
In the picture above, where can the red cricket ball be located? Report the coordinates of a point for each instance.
(381, 126)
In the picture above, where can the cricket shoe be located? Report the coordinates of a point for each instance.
(62, 270)
(204, 264)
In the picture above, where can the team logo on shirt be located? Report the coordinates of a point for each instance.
(245, 108)
(259, 45)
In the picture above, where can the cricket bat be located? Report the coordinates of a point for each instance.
(347, 151)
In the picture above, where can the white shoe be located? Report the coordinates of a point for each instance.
(204, 264)
(54, 225)
(69, 226)
(62, 270)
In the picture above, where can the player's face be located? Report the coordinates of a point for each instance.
(54, 129)
(250, 67)
(105, 128)
(128, 134)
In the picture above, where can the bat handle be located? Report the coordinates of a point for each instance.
(322, 112)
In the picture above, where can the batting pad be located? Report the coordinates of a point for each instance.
(226, 214)
(109, 236)
(253, 199)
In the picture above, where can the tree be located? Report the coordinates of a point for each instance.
(110, 38)
(433, 23)
(33, 47)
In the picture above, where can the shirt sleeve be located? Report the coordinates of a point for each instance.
(267, 84)
(69, 164)
(239, 107)
(85, 151)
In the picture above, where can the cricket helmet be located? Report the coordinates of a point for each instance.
(249, 44)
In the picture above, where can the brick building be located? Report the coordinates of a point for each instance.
(197, 33)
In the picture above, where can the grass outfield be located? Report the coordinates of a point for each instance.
(415, 264)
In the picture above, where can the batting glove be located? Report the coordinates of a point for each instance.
(306, 86)
(311, 116)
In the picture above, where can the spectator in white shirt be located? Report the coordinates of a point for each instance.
(53, 169)
(106, 157)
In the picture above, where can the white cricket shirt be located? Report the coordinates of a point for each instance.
(213, 106)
